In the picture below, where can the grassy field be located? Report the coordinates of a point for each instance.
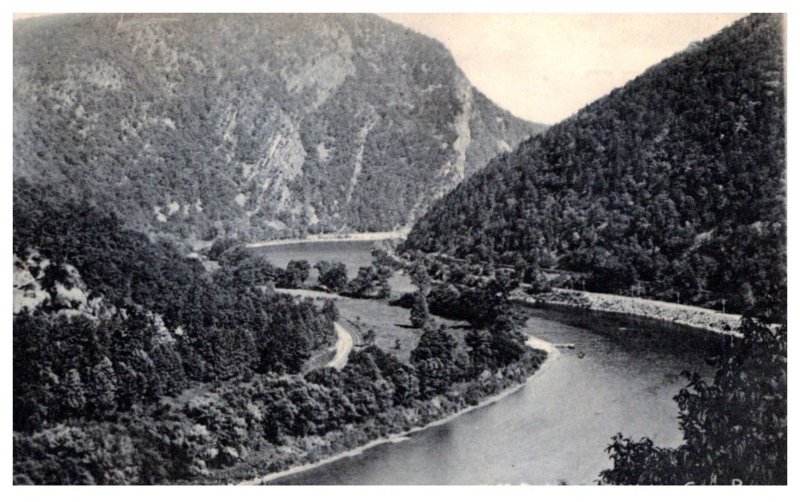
(393, 331)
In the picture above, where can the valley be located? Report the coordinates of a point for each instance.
(449, 452)
(305, 249)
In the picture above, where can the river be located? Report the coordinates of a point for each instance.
(353, 254)
(620, 377)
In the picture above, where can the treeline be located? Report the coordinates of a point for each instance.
(244, 267)
(247, 420)
(133, 273)
(265, 424)
(671, 187)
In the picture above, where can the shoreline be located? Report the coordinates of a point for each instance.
(533, 342)
(363, 236)
(677, 314)
(689, 316)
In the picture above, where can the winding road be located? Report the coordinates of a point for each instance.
(344, 344)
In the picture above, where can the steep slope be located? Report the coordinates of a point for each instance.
(255, 126)
(672, 186)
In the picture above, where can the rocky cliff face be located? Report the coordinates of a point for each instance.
(256, 126)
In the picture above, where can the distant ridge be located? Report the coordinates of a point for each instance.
(250, 126)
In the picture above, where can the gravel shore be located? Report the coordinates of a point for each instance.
(686, 315)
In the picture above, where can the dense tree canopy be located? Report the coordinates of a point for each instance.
(673, 183)
(167, 322)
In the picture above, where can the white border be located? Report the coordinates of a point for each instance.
(372, 493)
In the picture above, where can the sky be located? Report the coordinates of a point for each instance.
(545, 67)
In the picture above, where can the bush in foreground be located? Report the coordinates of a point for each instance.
(734, 428)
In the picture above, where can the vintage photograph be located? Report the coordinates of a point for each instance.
(399, 249)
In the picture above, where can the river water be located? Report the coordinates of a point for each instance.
(353, 254)
(620, 377)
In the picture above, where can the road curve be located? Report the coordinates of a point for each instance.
(344, 344)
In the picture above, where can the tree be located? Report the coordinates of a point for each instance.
(611, 275)
(420, 277)
(445, 300)
(481, 355)
(232, 255)
(505, 281)
(382, 258)
(73, 394)
(252, 270)
(456, 273)
(102, 388)
(538, 281)
(507, 345)
(219, 247)
(734, 429)
(434, 360)
(402, 376)
(365, 385)
(297, 272)
(419, 310)
(329, 310)
(370, 283)
(369, 337)
(332, 276)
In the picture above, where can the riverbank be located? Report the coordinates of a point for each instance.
(305, 453)
(682, 315)
(364, 236)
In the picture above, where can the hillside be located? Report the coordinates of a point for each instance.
(672, 186)
(254, 126)
(134, 364)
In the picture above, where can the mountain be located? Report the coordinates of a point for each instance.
(248, 126)
(672, 186)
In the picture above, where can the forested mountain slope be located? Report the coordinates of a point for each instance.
(672, 186)
(252, 126)
(86, 289)
(134, 364)
(108, 324)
